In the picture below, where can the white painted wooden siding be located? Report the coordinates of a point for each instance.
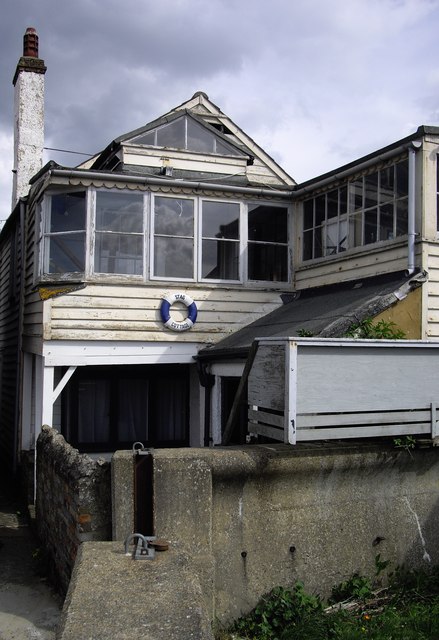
(361, 264)
(109, 312)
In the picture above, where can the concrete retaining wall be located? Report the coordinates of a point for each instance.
(251, 518)
(73, 502)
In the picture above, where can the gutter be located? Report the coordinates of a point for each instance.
(354, 167)
(147, 180)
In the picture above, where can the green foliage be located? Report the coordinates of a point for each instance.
(381, 330)
(305, 333)
(407, 443)
(278, 610)
(357, 587)
(407, 610)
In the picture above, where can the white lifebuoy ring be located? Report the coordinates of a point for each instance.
(165, 307)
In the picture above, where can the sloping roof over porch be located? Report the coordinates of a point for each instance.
(324, 311)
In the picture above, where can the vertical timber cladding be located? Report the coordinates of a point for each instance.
(266, 391)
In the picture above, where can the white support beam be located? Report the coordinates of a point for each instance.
(62, 383)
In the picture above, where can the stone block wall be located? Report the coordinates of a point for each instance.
(73, 502)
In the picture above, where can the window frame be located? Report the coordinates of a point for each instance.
(43, 236)
(353, 214)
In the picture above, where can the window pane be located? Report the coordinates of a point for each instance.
(173, 257)
(119, 253)
(220, 260)
(331, 239)
(220, 220)
(308, 214)
(318, 242)
(386, 222)
(402, 217)
(370, 226)
(119, 212)
(66, 253)
(173, 217)
(147, 138)
(199, 138)
(402, 179)
(172, 135)
(343, 200)
(307, 245)
(67, 212)
(268, 262)
(371, 190)
(387, 184)
(356, 195)
(267, 223)
(355, 230)
(320, 209)
(332, 200)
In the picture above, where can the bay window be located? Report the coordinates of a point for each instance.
(110, 233)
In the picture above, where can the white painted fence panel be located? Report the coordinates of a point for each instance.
(318, 389)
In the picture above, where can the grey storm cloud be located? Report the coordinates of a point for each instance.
(315, 83)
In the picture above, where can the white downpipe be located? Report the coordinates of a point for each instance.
(411, 233)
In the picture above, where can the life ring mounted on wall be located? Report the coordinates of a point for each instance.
(166, 305)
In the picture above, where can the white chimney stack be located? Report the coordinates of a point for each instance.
(28, 116)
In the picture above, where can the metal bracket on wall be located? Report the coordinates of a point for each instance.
(142, 550)
(140, 450)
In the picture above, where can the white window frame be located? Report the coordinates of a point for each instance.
(152, 238)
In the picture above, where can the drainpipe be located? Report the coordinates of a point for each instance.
(411, 233)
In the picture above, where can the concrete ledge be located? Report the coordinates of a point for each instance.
(113, 596)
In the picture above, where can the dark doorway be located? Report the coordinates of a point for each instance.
(108, 408)
(229, 387)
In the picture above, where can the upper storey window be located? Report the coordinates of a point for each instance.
(112, 233)
(361, 211)
(65, 229)
(186, 134)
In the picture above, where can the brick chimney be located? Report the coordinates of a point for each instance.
(28, 116)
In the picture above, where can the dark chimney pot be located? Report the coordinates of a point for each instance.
(30, 43)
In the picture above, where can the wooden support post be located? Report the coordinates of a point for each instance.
(231, 420)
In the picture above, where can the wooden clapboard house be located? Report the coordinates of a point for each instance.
(132, 283)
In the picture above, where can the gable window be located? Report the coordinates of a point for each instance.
(187, 134)
(65, 228)
(362, 211)
(119, 233)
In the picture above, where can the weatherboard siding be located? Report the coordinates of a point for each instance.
(432, 287)
(363, 264)
(109, 312)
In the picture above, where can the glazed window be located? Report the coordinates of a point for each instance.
(65, 233)
(173, 238)
(267, 243)
(187, 134)
(362, 211)
(220, 246)
(119, 233)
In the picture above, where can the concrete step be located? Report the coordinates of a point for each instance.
(113, 596)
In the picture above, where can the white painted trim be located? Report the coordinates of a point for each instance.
(62, 383)
(47, 397)
(81, 353)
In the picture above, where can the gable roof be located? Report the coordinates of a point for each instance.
(208, 115)
(324, 311)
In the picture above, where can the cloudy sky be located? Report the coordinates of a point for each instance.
(317, 83)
